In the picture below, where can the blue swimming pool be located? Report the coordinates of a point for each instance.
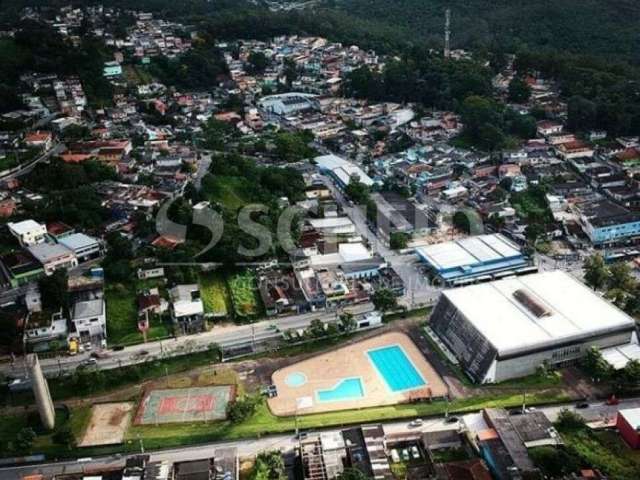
(395, 368)
(295, 379)
(346, 389)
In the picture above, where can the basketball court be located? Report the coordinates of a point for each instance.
(179, 405)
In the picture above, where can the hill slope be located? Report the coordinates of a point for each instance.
(603, 27)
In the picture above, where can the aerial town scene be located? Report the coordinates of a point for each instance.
(318, 240)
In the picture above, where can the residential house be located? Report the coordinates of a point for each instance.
(39, 139)
(280, 293)
(187, 309)
(311, 289)
(605, 222)
(19, 268)
(150, 302)
(548, 127)
(44, 326)
(574, 149)
(157, 272)
(89, 320)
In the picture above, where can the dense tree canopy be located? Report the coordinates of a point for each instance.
(519, 90)
(27, 52)
(200, 68)
(418, 77)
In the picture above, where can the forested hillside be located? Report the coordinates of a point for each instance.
(602, 27)
(607, 27)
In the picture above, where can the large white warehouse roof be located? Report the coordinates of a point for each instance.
(535, 311)
(343, 169)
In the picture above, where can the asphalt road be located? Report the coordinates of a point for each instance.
(286, 442)
(233, 335)
(56, 149)
(418, 289)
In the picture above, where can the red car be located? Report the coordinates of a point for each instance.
(612, 400)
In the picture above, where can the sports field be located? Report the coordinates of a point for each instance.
(179, 405)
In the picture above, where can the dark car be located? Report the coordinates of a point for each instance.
(452, 419)
(582, 405)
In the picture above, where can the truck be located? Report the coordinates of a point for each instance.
(75, 346)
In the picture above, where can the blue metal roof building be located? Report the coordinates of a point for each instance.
(479, 258)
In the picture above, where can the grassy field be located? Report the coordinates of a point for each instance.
(227, 191)
(45, 442)
(122, 314)
(244, 294)
(136, 75)
(215, 295)
(605, 451)
(263, 422)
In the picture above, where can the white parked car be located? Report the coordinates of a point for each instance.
(416, 422)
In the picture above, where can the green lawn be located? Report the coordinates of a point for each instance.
(263, 422)
(215, 295)
(244, 294)
(122, 314)
(45, 441)
(79, 420)
(228, 191)
(137, 75)
(537, 380)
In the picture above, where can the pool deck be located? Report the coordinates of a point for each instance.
(325, 371)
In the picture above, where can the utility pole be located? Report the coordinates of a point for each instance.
(253, 337)
(447, 33)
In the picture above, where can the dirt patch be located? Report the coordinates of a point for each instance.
(108, 424)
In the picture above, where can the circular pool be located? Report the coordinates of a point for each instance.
(296, 379)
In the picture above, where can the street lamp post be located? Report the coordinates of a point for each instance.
(253, 337)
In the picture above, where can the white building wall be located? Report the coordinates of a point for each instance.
(528, 364)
